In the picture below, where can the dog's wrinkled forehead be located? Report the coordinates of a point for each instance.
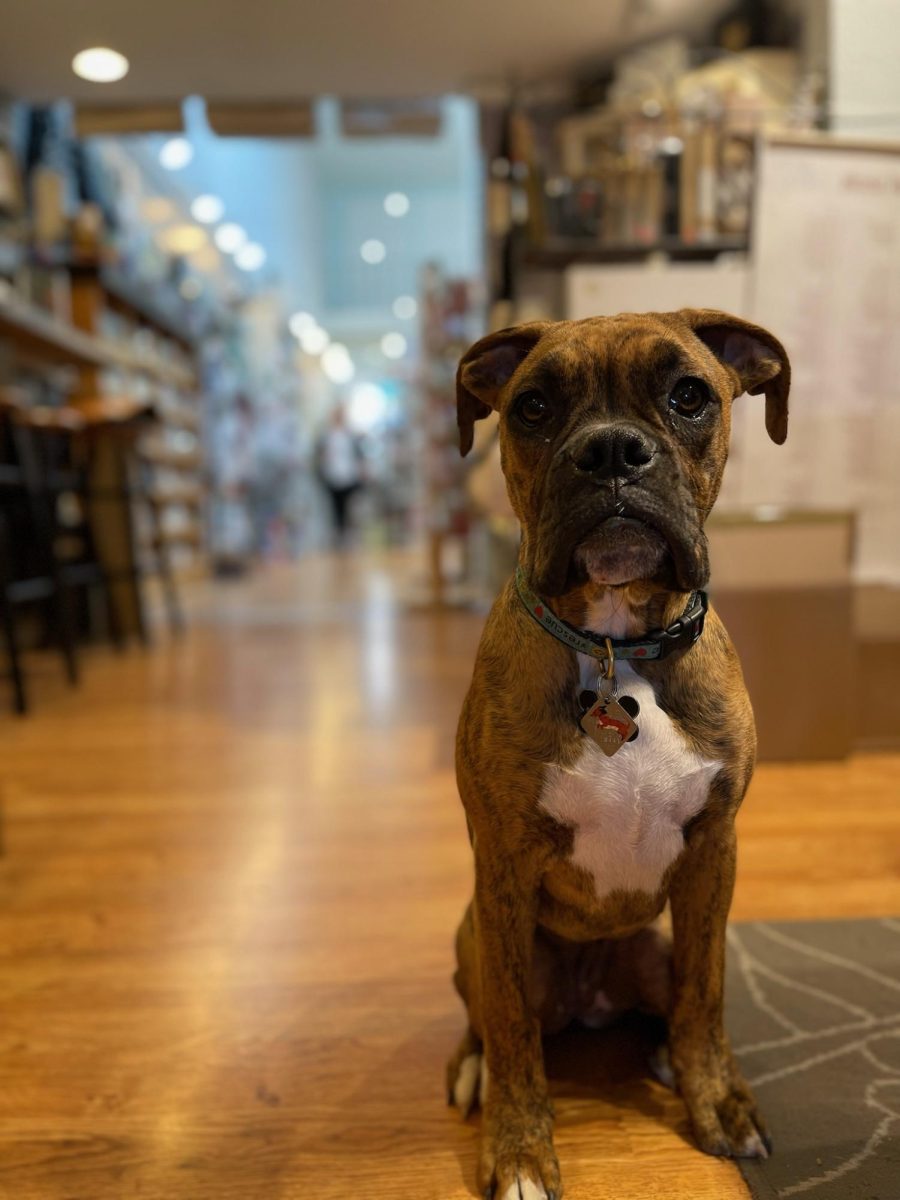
(613, 359)
(618, 354)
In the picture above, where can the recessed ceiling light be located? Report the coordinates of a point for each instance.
(396, 204)
(99, 64)
(405, 308)
(393, 345)
(176, 153)
(314, 339)
(230, 237)
(250, 257)
(299, 321)
(373, 251)
(207, 209)
(337, 363)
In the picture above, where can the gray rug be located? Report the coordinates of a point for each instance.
(814, 1015)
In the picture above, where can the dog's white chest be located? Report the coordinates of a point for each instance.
(628, 812)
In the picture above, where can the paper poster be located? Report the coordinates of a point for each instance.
(826, 281)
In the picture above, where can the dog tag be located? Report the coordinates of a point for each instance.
(608, 724)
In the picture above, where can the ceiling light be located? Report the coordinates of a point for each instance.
(182, 239)
(393, 345)
(337, 363)
(300, 321)
(405, 308)
(99, 64)
(250, 257)
(176, 153)
(396, 204)
(230, 237)
(207, 209)
(314, 339)
(373, 251)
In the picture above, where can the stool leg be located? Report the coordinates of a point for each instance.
(65, 626)
(41, 505)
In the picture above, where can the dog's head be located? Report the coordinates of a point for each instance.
(614, 434)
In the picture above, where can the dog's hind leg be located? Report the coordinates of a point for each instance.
(465, 1068)
(465, 1072)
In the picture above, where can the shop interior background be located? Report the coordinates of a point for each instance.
(242, 249)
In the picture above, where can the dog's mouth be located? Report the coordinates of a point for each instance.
(621, 550)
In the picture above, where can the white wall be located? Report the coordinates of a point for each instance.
(864, 77)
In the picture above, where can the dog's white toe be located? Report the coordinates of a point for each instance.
(524, 1189)
(466, 1088)
(753, 1147)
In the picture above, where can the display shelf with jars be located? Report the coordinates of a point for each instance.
(662, 167)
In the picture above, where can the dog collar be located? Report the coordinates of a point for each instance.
(681, 634)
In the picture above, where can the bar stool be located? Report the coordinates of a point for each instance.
(30, 571)
(121, 478)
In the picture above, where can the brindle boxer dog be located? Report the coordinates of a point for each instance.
(614, 434)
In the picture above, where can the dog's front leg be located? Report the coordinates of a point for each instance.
(517, 1157)
(723, 1113)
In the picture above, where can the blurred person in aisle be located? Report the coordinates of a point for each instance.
(340, 465)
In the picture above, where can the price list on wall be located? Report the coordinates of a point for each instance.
(826, 280)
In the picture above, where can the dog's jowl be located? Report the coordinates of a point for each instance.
(607, 740)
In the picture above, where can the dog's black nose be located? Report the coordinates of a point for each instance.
(614, 451)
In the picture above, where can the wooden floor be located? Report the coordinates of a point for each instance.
(232, 871)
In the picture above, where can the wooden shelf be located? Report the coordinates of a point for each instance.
(557, 253)
(179, 460)
(188, 495)
(41, 333)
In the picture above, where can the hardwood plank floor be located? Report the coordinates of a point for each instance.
(233, 868)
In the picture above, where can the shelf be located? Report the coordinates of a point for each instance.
(189, 496)
(42, 333)
(177, 460)
(134, 302)
(557, 253)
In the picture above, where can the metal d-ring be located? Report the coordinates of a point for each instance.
(608, 672)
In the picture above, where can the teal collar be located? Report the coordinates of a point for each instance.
(656, 645)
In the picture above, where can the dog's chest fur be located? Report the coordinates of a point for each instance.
(628, 812)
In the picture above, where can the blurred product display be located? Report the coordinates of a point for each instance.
(451, 321)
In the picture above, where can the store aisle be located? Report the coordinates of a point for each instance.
(232, 873)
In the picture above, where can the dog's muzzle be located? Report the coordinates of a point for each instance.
(616, 508)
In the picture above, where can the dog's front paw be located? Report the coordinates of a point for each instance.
(724, 1115)
(518, 1161)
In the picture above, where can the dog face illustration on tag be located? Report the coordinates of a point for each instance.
(608, 724)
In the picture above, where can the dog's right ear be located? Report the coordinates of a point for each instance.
(483, 371)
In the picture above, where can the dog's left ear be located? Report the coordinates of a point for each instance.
(483, 371)
(758, 360)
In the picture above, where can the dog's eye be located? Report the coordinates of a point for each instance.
(689, 397)
(531, 408)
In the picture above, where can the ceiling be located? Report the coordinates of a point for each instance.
(287, 49)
